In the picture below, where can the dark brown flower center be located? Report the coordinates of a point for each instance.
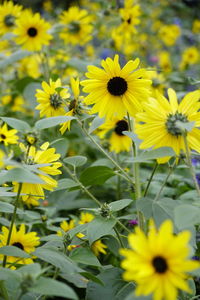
(160, 265)
(3, 136)
(32, 31)
(117, 86)
(18, 245)
(121, 126)
(9, 20)
(129, 21)
(74, 27)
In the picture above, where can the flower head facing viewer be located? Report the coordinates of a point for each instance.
(45, 155)
(113, 90)
(22, 240)
(158, 126)
(31, 31)
(158, 262)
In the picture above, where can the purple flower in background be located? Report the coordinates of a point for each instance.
(198, 178)
(106, 53)
(196, 162)
(133, 222)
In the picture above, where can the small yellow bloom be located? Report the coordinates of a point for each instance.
(86, 217)
(117, 140)
(34, 192)
(9, 13)
(169, 34)
(77, 27)
(190, 56)
(196, 26)
(52, 99)
(31, 31)
(22, 240)
(8, 136)
(66, 226)
(98, 247)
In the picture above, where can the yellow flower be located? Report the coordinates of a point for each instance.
(22, 240)
(165, 61)
(34, 192)
(30, 66)
(158, 262)
(196, 26)
(9, 12)
(118, 141)
(86, 217)
(73, 104)
(66, 226)
(157, 127)
(52, 99)
(115, 91)
(130, 17)
(8, 136)
(2, 155)
(190, 56)
(98, 247)
(31, 31)
(169, 34)
(157, 82)
(78, 28)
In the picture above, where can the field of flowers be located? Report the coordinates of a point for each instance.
(100, 150)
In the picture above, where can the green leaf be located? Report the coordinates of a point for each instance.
(96, 175)
(120, 204)
(95, 124)
(66, 183)
(188, 126)
(133, 137)
(61, 146)
(79, 64)
(13, 251)
(20, 125)
(29, 94)
(114, 287)
(57, 259)
(51, 287)
(153, 154)
(19, 175)
(186, 215)
(14, 57)
(131, 296)
(76, 161)
(84, 256)
(8, 208)
(91, 277)
(99, 227)
(51, 122)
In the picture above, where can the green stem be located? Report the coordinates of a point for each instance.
(126, 176)
(171, 168)
(3, 291)
(189, 162)
(150, 179)
(75, 178)
(136, 170)
(122, 225)
(12, 221)
(119, 237)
